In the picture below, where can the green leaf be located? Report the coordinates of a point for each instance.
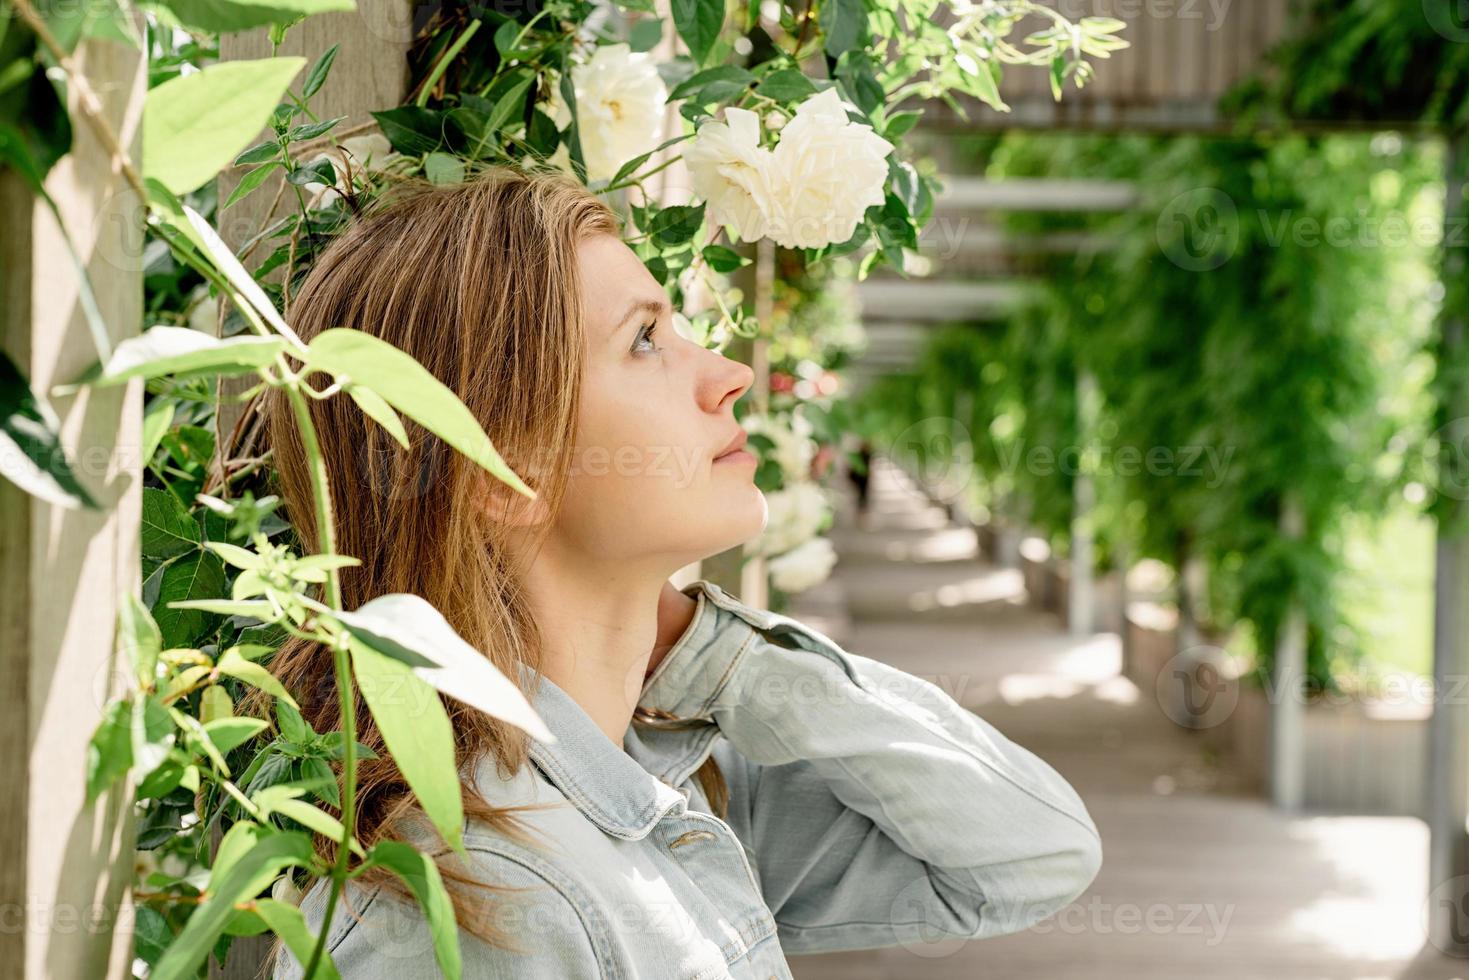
(259, 153)
(900, 123)
(215, 704)
(310, 131)
(251, 180)
(235, 555)
(244, 283)
(162, 781)
(645, 34)
(287, 921)
(721, 83)
(167, 530)
(418, 734)
(317, 769)
(139, 640)
(410, 630)
(198, 735)
(380, 411)
(421, 875)
(164, 350)
(195, 124)
(699, 23)
(31, 454)
(316, 77)
(843, 25)
(221, 16)
(787, 85)
(677, 224)
(244, 880)
(724, 259)
(317, 819)
(412, 130)
(294, 728)
(110, 751)
(189, 578)
(233, 664)
(227, 733)
(443, 168)
(239, 840)
(260, 609)
(151, 733)
(407, 386)
(156, 420)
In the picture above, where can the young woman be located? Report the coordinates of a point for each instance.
(727, 785)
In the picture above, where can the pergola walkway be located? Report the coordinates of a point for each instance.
(1198, 880)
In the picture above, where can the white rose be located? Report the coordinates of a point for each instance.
(620, 102)
(731, 172)
(810, 191)
(806, 566)
(796, 514)
(830, 170)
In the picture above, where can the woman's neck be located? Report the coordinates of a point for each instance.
(600, 629)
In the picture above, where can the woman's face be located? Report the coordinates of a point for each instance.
(656, 410)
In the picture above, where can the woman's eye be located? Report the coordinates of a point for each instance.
(646, 334)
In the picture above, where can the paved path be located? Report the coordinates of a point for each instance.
(1199, 880)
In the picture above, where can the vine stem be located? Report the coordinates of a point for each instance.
(321, 492)
(427, 88)
(91, 105)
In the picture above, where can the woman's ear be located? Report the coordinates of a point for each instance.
(505, 505)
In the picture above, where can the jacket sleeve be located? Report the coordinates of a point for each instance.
(880, 812)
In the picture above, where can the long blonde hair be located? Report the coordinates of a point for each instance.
(478, 282)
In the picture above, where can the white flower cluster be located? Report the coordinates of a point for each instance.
(810, 191)
(791, 433)
(799, 557)
(620, 104)
(804, 566)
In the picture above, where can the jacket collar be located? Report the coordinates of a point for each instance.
(626, 791)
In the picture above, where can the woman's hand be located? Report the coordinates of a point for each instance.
(675, 613)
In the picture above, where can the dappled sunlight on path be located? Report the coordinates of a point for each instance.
(1200, 879)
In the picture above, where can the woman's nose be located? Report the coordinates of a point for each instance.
(731, 379)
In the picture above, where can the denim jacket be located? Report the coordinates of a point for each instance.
(866, 808)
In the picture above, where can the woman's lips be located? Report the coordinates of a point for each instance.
(737, 456)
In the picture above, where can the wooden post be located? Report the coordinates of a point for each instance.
(1447, 779)
(1081, 602)
(1287, 706)
(66, 867)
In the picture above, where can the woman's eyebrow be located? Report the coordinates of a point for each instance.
(656, 307)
